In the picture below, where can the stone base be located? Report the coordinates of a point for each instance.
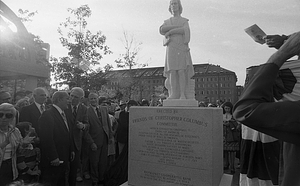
(180, 103)
(175, 146)
(225, 181)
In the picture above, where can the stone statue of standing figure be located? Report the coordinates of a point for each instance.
(178, 63)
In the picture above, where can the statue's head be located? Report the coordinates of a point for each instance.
(174, 3)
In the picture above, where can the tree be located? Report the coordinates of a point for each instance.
(26, 16)
(85, 49)
(129, 59)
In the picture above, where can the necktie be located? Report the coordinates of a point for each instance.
(42, 108)
(74, 111)
(98, 113)
(65, 119)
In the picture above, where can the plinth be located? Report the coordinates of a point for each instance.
(175, 146)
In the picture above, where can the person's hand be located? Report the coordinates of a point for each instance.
(94, 147)
(80, 125)
(274, 41)
(27, 139)
(72, 155)
(55, 162)
(226, 123)
(34, 172)
(291, 47)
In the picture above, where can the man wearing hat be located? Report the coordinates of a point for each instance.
(122, 106)
(123, 127)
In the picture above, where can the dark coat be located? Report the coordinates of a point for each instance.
(55, 138)
(31, 114)
(81, 116)
(123, 127)
(98, 130)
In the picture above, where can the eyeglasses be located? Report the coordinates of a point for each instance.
(7, 115)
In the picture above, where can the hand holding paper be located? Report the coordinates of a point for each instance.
(256, 33)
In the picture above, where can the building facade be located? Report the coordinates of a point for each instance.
(21, 58)
(212, 82)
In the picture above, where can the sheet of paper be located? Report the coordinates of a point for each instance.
(256, 33)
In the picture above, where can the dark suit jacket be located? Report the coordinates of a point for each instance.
(31, 114)
(81, 116)
(55, 138)
(123, 127)
(99, 130)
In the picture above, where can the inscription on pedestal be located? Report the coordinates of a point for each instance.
(171, 145)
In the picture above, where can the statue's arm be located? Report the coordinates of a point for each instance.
(187, 33)
(166, 28)
(179, 30)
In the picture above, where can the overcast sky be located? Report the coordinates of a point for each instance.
(217, 27)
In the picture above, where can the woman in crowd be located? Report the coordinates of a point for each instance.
(118, 172)
(22, 103)
(10, 141)
(123, 127)
(30, 155)
(231, 137)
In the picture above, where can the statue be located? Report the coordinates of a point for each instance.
(178, 63)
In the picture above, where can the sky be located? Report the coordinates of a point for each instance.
(217, 27)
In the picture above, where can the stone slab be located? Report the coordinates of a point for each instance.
(175, 146)
(225, 181)
(180, 103)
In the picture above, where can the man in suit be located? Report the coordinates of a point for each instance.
(32, 112)
(77, 114)
(55, 141)
(100, 134)
(123, 127)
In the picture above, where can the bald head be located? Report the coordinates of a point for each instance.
(76, 95)
(77, 91)
(39, 95)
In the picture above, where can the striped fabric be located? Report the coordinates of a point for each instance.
(260, 153)
(15, 140)
(259, 162)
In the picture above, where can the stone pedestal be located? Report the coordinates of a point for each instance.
(180, 103)
(174, 146)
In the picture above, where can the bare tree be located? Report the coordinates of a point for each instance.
(129, 59)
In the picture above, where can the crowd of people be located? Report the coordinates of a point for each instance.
(61, 140)
(78, 136)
